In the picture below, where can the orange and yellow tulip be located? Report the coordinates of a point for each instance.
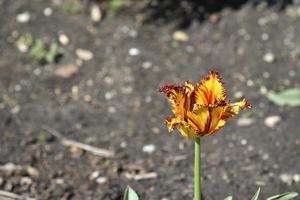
(202, 109)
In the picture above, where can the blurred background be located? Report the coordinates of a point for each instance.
(80, 112)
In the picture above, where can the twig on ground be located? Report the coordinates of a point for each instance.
(4, 195)
(71, 143)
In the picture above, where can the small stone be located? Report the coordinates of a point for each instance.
(123, 144)
(155, 130)
(23, 17)
(37, 71)
(109, 95)
(48, 12)
(265, 156)
(63, 39)
(264, 36)
(22, 47)
(111, 109)
(180, 36)
(269, 57)
(108, 80)
(149, 148)
(238, 94)
(250, 83)
(292, 73)
(90, 83)
(15, 110)
(272, 121)
(101, 180)
(244, 142)
(94, 175)
(244, 121)
(75, 90)
(66, 71)
(263, 90)
(286, 178)
(147, 65)
(26, 181)
(134, 52)
(84, 54)
(87, 98)
(96, 14)
(32, 172)
(296, 178)
(266, 74)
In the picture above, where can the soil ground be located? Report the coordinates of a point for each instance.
(112, 102)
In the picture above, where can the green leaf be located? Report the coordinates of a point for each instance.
(130, 194)
(290, 97)
(255, 197)
(284, 196)
(37, 51)
(52, 53)
(115, 4)
(228, 198)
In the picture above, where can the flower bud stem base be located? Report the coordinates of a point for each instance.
(197, 170)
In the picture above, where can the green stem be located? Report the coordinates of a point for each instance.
(197, 170)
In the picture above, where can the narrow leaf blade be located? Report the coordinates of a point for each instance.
(255, 197)
(290, 97)
(228, 198)
(130, 194)
(284, 196)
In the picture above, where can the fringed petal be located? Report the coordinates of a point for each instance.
(211, 90)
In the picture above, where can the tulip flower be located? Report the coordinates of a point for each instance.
(200, 110)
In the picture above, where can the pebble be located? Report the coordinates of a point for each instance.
(238, 94)
(32, 172)
(286, 178)
(87, 98)
(155, 130)
(123, 144)
(265, 36)
(26, 181)
(147, 65)
(15, 110)
(108, 80)
(63, 39)
(269, 57)
(96, 14)
(75, 90)
(48, 12)
(66, 71)
(180, 36)
(109, 95)
(111, 109)
(149, 148)
(134, 51)
(37, 71)
(244, 142)
(263, 90)
(23, 17)
(84, 54)
(22, 47)
(250, 83)
(101, 180)
(245, 121)
(296, 178)
(94, 175)
(272, 121)
(266, 74)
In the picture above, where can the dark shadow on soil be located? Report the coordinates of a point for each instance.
(184, 12)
